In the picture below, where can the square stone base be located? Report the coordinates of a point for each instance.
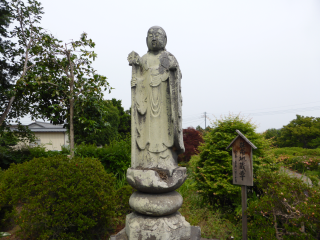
(171, 227)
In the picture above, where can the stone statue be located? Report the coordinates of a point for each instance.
(156, 138)
(156, 105)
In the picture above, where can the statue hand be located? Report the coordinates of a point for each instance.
(133, 58)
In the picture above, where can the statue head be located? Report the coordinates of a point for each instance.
(156, 39)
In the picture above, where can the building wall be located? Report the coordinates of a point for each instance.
(52, 140)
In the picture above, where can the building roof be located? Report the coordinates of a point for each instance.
(244, 138)
(46, 127)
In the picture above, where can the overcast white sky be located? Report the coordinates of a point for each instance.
(260, 58)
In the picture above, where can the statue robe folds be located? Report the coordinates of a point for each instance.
(157, 136)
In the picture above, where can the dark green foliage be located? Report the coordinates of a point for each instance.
(115, 157)
(272, 133)
(285, 205)
(301, 132)
(214, 169)
(95, 122)
(24, 154)
(10, 137)
(61, 198)
(122, 200)
(124, 127)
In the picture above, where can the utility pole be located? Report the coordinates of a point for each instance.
(205, 120)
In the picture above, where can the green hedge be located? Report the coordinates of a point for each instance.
(9, 156)
(115, 157)
(61, 198)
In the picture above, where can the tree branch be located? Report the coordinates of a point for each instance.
(5, 113)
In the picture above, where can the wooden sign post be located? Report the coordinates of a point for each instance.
(242, 172)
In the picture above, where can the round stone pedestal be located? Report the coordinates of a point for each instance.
(156, 204)
(156, 180)
(171, 227)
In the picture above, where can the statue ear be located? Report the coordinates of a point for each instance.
(147, 40)
(165, 43)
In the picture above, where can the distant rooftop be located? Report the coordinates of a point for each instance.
(46, 127)
(43, 127)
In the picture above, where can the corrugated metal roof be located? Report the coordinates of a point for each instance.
(42, 127)
(48, 130)
(45, 127)
(244, 138)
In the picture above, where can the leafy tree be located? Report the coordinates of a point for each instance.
(18, 59)
(301, 132)
(11, 138)
(191, 139)
(124, 127)
(96, 122)
(53, 75)
(69, 76)
(272, 133)
(214, 169)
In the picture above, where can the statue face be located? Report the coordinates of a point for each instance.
(156, 39)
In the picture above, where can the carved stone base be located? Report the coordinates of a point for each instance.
(156, 204)
(156, 180)
(195, 234)
(171, 227)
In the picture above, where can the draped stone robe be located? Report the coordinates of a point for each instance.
(156, 112)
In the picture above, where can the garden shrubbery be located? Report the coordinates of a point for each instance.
(287, 208)
(23, 154)
(214, 169)
(61, 198)
(115, 157)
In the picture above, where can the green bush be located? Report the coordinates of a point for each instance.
(115, 157)
(24, 154)
(286, 208)
(61, 198)
(214, 169)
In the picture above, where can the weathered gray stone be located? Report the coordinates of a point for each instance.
(156, 204)
(156, 142)
(156, 112)
(171, 227)
(120, 235)
(156, 180)
(195, 233)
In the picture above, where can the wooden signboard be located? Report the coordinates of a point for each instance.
(242, 160)
(242, 172)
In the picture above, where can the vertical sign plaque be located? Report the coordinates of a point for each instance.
(242, 163)
(242, 171)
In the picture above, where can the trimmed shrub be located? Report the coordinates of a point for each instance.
(286, 209)
(61, 198)
(214, 169)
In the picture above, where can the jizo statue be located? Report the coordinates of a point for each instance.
(156, 105)
(156, 138)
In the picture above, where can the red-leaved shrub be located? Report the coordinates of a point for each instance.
(192, 139)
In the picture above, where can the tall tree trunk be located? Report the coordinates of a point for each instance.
(5, 113)
(71, 129)
(71, 104)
